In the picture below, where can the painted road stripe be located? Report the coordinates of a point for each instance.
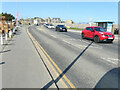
(60, 71)
(111, 60)
(53, 36)
(52, 66)
(48, 61)
(82, 46)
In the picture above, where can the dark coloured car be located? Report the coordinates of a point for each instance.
(61, 28)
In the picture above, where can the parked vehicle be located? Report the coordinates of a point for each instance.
(61, 28)
(116, 31)
(51, 26)
(46, 25)
(97, 33)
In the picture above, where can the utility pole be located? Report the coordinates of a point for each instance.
(90, 22)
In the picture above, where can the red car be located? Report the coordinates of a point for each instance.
(97, 33)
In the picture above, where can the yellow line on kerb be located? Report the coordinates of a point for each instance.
(60, 71)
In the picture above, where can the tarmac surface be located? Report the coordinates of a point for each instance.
(84, 62)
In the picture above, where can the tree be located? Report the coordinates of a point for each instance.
(9, 16)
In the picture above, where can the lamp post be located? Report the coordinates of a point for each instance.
(90, 22)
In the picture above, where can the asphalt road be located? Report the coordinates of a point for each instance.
(85, 63)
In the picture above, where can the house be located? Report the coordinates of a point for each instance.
(56, 20)
(22, 21)
(41, 20)
(48, 20)
(69, 21)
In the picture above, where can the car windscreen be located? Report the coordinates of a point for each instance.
(50, 25)
(61, 25)
(100, 29)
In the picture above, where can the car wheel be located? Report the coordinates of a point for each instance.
(65, 30)
(96, 39)
(83, 36)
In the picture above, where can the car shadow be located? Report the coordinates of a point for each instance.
(67, 69)
(110, 80)
(106, 42)
(101, 42)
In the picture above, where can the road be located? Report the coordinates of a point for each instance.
(85, 63)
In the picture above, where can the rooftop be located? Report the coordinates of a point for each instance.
(106, 21)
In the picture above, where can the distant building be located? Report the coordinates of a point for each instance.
(48, 20)
(106, 24)
(41, 20)
(56, 20)
(69, 21)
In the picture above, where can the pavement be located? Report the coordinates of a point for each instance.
(2, 62)
(23, 67)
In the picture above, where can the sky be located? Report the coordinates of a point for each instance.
(76, 11)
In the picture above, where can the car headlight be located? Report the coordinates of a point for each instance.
(60, 28)
(103, 35)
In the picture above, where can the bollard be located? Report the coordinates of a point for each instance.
(14, 30)
(1, 39)
(10, 34)
(6, 36)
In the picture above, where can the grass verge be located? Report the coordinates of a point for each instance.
(77, 28)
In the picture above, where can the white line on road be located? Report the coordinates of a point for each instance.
(111, 60)
(78, 46)
(82, 46)
(73, 39)
(66, 42)
(53, 36)
(86, 41)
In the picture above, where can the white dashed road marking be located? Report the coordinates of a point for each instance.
(111, 60)
(53, 36)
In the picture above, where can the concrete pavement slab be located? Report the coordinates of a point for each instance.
(23, 68)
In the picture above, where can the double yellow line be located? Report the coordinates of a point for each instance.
(49, 58)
